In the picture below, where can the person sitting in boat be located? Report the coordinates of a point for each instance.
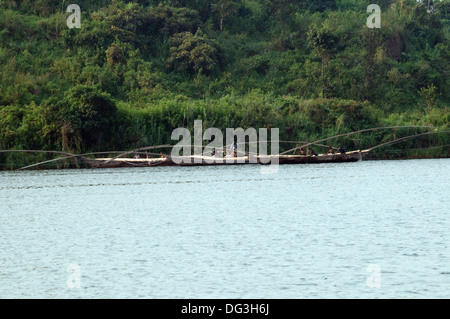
(302, 151)
(330, 150)
(342, 150)
(213, 152)
(234, 148)
(137, 156)
(313, 153)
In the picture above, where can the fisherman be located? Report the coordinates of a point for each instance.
(330, 150)
(234, 147)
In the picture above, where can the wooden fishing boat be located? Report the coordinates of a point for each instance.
(353, 156)
(124, 162)
(120, 161)
(346, 157)
(168, 161)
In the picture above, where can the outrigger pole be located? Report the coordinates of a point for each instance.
(406, 138)
(356, 132)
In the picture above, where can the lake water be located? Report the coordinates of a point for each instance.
(372, 229)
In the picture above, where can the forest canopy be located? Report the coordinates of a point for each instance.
(136, 70)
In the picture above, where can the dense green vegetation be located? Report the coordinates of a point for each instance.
(136, 70)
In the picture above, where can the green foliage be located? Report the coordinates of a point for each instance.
(223, 8)
(192, 53)
(89, 115)
(136, 70)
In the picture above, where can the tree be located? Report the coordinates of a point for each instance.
(282, 11)
(429, 94)
(88, 116)
(167, 21)
(323, 41)
(115, 54)
(223, 8)
(320, 5)
(192, 53)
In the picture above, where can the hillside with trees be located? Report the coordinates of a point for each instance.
(136, 70)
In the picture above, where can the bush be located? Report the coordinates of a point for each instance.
(88, 116)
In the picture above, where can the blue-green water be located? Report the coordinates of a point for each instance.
(308, 231)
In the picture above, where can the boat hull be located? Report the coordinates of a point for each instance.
(354, 156)
(213, 161)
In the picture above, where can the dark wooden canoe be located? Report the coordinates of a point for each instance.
(353, 156)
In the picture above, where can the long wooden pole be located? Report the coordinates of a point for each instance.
(356, 132)
(407, 138)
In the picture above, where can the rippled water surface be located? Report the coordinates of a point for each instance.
(308, 231)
